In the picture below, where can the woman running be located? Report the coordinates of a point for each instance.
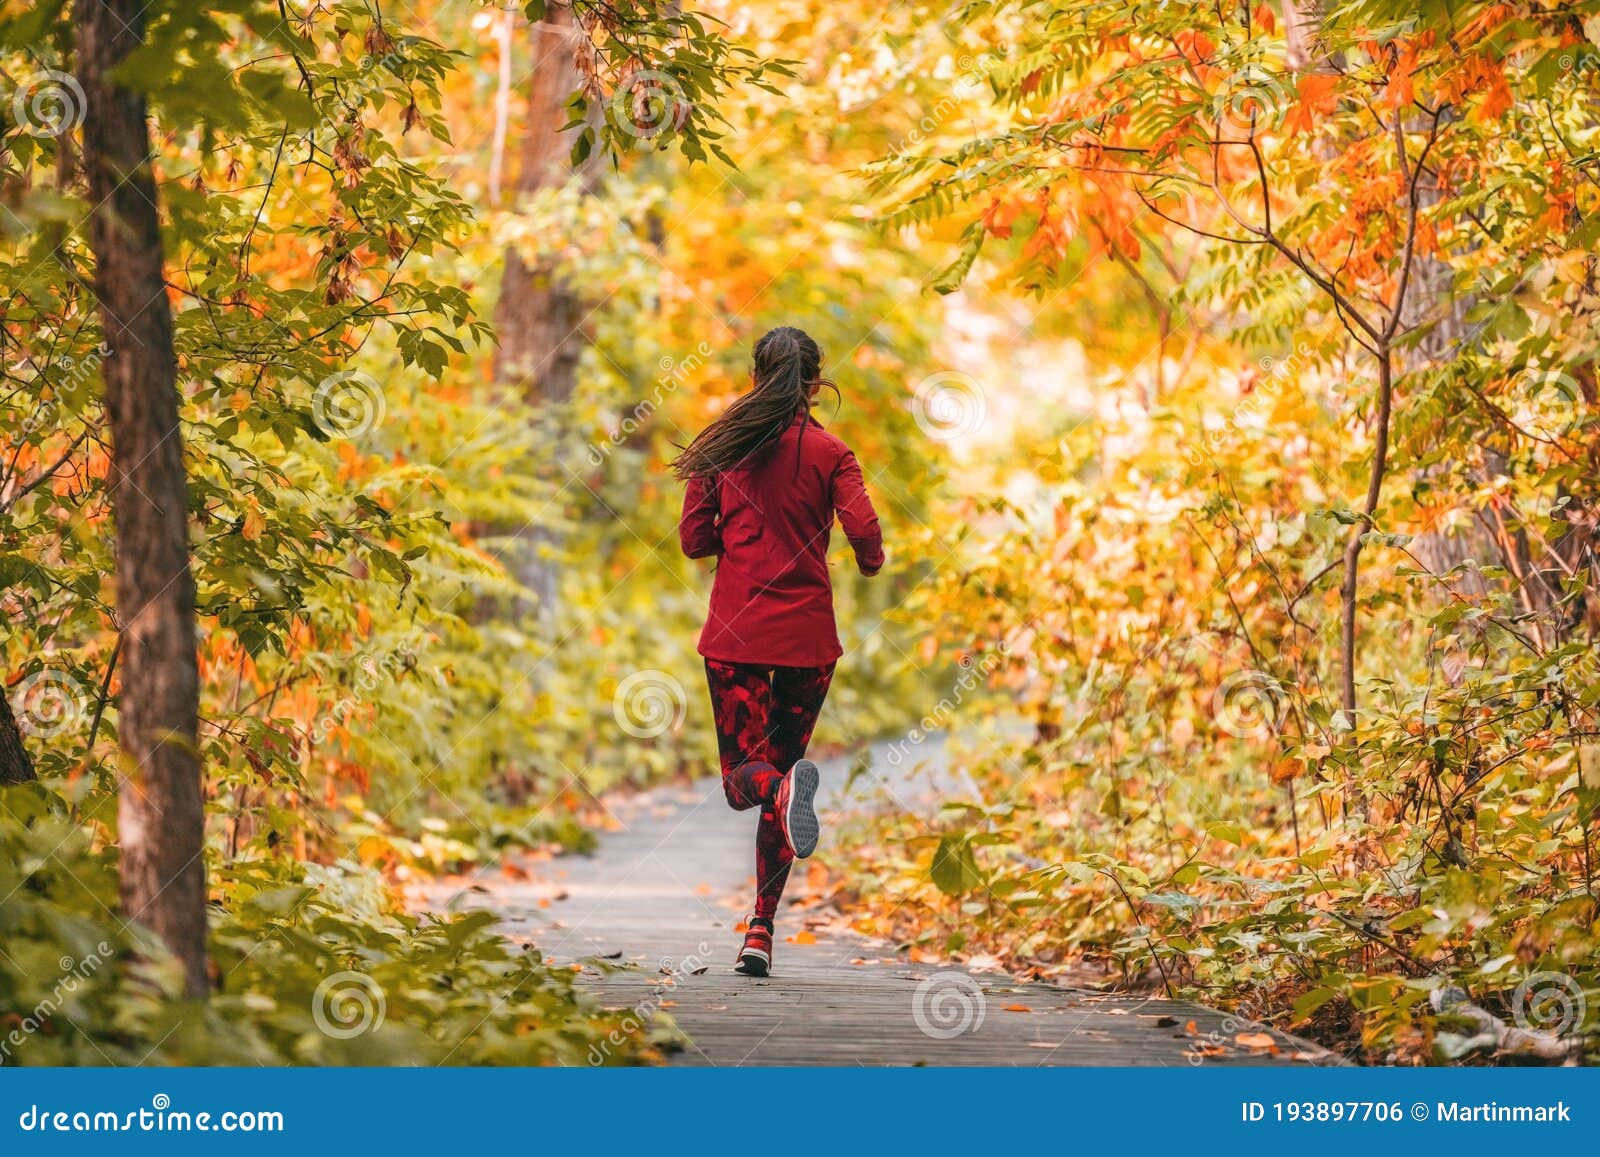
(764, 483)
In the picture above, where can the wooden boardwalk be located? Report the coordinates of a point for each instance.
(652, 915)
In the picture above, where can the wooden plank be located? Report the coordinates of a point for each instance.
(663, 893)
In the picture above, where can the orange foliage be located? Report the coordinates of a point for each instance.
(1319, 94)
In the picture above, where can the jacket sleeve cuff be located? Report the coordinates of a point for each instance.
(869, 555)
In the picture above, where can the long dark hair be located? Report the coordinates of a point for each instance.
(788, 365)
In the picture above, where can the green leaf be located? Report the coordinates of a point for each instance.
(950, 278)
(955, 869)
(1308, 1002)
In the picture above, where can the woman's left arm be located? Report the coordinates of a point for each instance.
(856, 515)
(698, 532)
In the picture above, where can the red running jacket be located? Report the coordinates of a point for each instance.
(769, 523)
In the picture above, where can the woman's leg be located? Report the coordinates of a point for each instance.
(797, 697)
(741, 705)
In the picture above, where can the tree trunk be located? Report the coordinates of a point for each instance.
(1300, 23)
(539, 318)
(539, 315)
(160, 815)
(1496, 533)
(15, 765)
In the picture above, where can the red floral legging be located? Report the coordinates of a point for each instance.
(764, 718)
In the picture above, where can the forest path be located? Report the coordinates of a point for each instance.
(651, 914)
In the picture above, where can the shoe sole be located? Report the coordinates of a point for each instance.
(800, 821)
(753, 962)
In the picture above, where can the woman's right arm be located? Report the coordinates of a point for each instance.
(697, 529)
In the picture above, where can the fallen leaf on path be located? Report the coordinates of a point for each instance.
(1164, 1022)
(1257, 1041)
(702, 889)
(804, 936)
(1016, 1008)
(668, 1004)
(1045, 1044)
(1191, 1028)
(701, 971)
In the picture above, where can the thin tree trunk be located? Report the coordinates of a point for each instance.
(15, 765)
(502, 104)
(160, 815)
(1352, 558)
(1300, 23)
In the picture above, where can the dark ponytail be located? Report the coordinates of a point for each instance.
(787, 365)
